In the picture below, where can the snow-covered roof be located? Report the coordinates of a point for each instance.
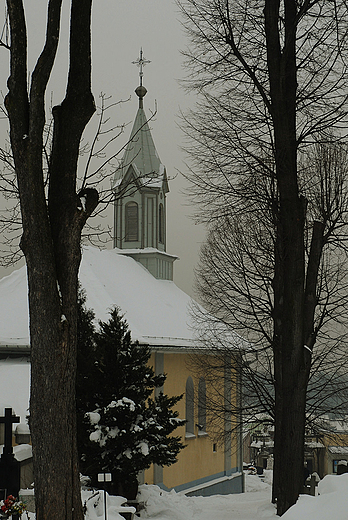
(338, 450)
(261, 444)
(338, 426)
(314, 444)
(157, 311)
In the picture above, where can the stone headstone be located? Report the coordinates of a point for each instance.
(22, 434)
(28, 497)
(342, 467)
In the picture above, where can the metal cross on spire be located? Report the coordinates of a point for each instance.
(141, 62)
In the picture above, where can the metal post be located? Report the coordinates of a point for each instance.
(104, 477)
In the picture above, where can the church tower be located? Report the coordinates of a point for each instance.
(140, 188)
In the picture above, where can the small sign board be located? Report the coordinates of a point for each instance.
(104, 477)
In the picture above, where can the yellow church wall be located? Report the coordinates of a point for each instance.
(203, 457)
(197, 460)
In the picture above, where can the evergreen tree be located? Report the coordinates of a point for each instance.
(85, 387)
(123, 427)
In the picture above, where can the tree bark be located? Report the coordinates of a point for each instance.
(51, 244)
(290, 369)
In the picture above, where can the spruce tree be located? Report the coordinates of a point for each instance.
(124, 427)
(85, 387)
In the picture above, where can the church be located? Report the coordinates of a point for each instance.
(136, 275)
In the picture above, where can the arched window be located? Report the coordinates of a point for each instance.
(190, 409)
(202, 405)
(161, 224)
(131, 219)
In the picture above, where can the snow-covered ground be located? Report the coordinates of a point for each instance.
(331, 503)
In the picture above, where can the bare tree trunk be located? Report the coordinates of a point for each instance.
(51, 244)
(291, 376)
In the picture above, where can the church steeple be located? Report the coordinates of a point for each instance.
(140, 188)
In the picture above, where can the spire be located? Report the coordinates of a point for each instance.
(141, 90)
(141, 152)
(141, 186)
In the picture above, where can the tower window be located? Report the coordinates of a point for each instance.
(131, 214)
(161, 224)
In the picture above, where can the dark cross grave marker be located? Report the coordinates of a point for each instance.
(8, 420)
(9, 466)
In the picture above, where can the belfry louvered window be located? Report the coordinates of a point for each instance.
(161, 224)
(131, 214)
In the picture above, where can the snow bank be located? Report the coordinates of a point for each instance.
(254, 483)
(255, 503)
(165, 505)
(162, 505)
(331, 502)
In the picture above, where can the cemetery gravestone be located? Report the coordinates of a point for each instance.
(9, 466)
(342, 467)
